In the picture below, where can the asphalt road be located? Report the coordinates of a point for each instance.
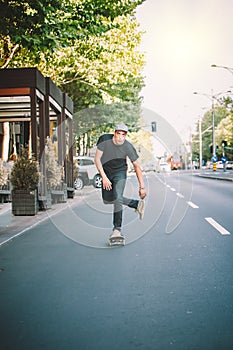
(170, 287)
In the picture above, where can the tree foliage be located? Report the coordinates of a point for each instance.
(223, 117)
(89, 48)
(91, 122)
(46, 25)
(100, 69)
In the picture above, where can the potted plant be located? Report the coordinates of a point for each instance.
(54, 174)
(24, 179)
(5, 190)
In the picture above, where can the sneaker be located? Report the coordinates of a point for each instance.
(116, 233)
(140, 209)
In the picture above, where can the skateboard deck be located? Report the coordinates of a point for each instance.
(115, 241)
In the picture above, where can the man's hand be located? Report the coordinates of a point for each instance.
(142, 193)
(106, 183)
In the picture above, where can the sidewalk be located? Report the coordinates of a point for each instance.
(13, 226)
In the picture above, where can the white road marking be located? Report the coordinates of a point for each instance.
(191, 204)
(31, 226)
(172, 189)
(217, 226)
(179, 195)
(168, 186)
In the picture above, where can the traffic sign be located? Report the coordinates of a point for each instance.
(214, 159)
(224, 159)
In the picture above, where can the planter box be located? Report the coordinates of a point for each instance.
(45, 202)
(24, 203)
(5, 193)
(59, 195)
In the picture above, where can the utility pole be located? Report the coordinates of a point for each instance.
(200, 144)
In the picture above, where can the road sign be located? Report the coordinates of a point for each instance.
(214, 159)
(224, 159)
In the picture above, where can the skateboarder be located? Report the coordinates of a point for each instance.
(111, 162)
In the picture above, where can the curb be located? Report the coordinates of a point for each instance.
(216, 177)
(16, 229)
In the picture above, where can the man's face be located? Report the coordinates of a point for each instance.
(119, 137)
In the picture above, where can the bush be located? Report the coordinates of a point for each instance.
(25, 175)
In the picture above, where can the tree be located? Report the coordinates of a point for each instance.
(87, 47)
(91, 122)
(44, 26)
(223, 129)
(98, 69)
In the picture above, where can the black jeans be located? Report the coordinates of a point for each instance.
(115, 197)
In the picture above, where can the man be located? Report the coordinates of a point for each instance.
(111, 162)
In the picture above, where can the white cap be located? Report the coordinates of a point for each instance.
(121, 127)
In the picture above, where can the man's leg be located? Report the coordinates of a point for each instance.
(131, 203)
(118, 189)
(138, 205)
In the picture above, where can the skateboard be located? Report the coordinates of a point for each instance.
(116, 241)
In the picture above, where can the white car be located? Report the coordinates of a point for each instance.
(164, 168)
(219, 165)
(87, 173)
(229, 165)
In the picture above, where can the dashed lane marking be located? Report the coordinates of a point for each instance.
(191, 204)
(179, 195)
(217, 226)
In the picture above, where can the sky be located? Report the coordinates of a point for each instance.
(182, 39)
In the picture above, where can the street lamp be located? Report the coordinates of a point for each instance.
(200, 143)
(224, 67)
(200, 138)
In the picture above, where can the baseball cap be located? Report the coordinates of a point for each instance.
(121, 127)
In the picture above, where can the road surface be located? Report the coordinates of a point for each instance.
(170, 287)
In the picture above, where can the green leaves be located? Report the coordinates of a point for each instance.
(223, 117)
(87, 47)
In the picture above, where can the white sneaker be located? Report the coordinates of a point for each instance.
(116, 233)
(141, 208)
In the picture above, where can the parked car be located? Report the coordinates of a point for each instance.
(149, 167)
(219, 165)
(87, 173)
(229, 165)
(209, 165)
(82, 180)
(164, 167)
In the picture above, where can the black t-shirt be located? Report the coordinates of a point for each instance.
(114, 156)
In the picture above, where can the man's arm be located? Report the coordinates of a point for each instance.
(107, 185)
(138, 171)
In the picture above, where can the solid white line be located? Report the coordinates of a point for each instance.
(30, 227)
(179, 195)
(217, 226)
(4, 210)
(193, 205)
